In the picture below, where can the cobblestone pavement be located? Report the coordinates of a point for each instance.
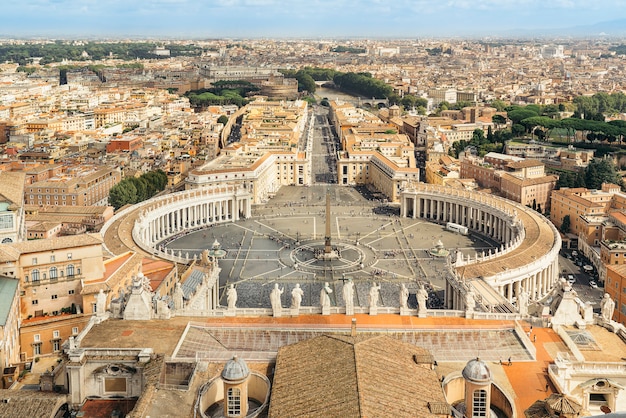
(393, 250)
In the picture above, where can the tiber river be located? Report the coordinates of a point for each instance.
(330, 94)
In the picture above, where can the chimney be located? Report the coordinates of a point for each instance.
(353, 330)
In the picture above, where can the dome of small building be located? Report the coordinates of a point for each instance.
(477, 371)
(236, 370)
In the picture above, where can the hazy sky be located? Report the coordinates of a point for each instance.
(297, 18)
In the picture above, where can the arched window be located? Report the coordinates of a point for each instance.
(479, 403)
(35, 275)
(53, 273)
(70, 270)
(234, 402)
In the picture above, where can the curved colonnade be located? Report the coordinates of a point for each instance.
(161, 218)
(527, 259)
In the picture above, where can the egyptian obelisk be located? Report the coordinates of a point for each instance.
(327, 247)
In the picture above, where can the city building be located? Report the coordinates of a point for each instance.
(9, 324)
(51, 274)
(521, 180)
(80, 186)
(12, 219)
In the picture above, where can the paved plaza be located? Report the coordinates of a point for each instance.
(278, 244)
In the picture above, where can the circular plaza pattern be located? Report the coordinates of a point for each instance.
(510, 249)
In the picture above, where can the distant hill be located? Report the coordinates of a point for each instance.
(609, 28)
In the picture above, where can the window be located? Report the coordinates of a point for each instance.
(74, 330)
(70, 270)
(52, 258)
(36, 349)
(37, 338)
(34, 261)
(35, 302)
(479, 403)
(6, 221)
(53, 297)
(234, 402)
(54, 273)
(55, 334)
(70, 292)
(69, 256)
(56, 345)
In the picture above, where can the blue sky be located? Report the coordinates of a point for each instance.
(297, 18)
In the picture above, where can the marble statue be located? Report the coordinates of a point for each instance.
(422, 297)
(231, 296)
(178, 297)
(101, 302)
(374, 295)
(296, 296)
(275, 297)
(325, 295)
(348, 293)
(522, 302)
(145, 282)
(470, 301)
(404, 296)
(607, 307)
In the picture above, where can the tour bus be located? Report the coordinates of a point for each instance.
(457, 228)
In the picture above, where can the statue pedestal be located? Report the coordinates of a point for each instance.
(325, 310)
(294, 311)
(101, 317)
(421, 313)
(277, 313)
(350, 310)
(230, 312)
(404, 311)
(469, 314)
(373, 310)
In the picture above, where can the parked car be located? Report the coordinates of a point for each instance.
(571, 279)
(593, 284)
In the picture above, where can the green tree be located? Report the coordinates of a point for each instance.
(601, 171)
(518, 130)
(498, 120)
(519, 114)
(305, 82)
(121, 194)
(499, 105)
(222, 119)
(565, 224)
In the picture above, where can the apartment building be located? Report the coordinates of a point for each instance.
(615, 286)
(581, 203)
(50, 273)
(521, 180)
(442, 170)
(267, 155)
(81, 186)
(371, 156)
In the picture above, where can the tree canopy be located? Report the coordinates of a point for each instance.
(599, 170)
(69, 50)
(133, 190)
(363, 84)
